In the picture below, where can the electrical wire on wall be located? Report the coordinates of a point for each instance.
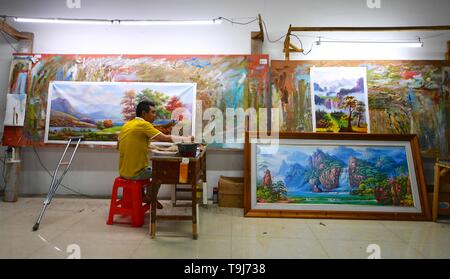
(237, 22)
(5, 36)
(267, 32)
(50, 174)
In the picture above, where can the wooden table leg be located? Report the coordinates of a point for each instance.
(194, 210)
(436, 193)
(154, 199)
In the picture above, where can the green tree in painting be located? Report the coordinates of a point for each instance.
(158, 98)
(100, 125)
(323, 119)
(279, 191)
(349, 103)
(359, 111)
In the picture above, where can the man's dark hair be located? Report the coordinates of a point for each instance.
(143, 106)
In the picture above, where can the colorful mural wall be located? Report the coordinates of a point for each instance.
(405, 97)
(223, 81)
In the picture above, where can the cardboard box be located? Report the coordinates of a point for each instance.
(444, 203)
(231, 192)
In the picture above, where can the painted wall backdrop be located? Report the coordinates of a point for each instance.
(98, 110)
(446, 103)
(405, 97)
(20, 67)
(223, 81)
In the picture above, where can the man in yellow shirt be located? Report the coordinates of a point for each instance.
(133, 142)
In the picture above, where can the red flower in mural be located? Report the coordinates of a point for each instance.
(409, 75)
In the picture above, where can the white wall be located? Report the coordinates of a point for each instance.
(94, 170)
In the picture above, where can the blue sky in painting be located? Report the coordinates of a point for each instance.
(335, 78)
(292, 154)
(88, 97)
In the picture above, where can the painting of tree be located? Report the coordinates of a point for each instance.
(359, 111)
(158, 98)
(349, 103)
(340, 99)
(173, 103)
(128, 105)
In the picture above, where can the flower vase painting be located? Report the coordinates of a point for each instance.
(322, 176)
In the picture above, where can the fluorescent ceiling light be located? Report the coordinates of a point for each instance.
(170, 22)
(371, 43)
(117, 21)
(64, 21)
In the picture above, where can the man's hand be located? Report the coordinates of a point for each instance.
(176, 139)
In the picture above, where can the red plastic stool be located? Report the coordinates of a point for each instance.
(131, 202)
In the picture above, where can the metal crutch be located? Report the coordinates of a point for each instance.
(55, 182)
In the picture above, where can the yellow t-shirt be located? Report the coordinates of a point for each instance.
(133, 143)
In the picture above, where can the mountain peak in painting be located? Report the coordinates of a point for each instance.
(318, 88)
(63, 105)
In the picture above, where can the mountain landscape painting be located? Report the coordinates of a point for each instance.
(375, 176)
(339, 99)
(98, 110)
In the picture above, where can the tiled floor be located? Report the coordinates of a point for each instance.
(224, 233)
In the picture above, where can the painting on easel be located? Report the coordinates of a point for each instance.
(98, 110)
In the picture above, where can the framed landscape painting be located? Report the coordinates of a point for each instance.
(354, 176)
(98, 110)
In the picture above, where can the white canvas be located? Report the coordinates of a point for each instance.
(15, 109)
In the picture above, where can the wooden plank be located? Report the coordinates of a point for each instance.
(371, 29)
(175, 217)
(256, 43)
(257, 38)
(11, 31)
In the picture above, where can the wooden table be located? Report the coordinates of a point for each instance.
(166, 170)
(440, 169)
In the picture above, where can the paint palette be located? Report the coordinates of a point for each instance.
(164, 153)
